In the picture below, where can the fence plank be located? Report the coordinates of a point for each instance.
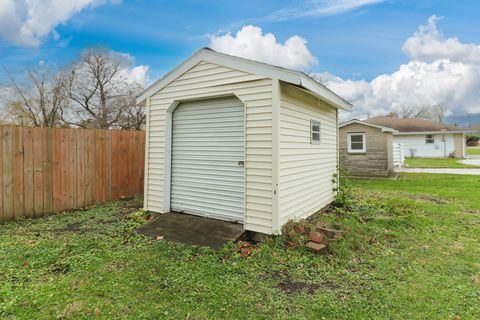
(28, 186)
(114, 170)
(48, 180)
(72, 169)
(8, 173)
(80, 168)
(89, 167)
(108, 165)
(57, 169)
(18, 195)
(124, 164)
(101, 166)
(142, 165)
(38, 156)
(1, 175)
(96, 168)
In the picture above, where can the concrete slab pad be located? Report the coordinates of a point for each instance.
(193, 230)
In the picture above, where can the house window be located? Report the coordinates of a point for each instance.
(314, 132)
(356, 143)
(429, 139)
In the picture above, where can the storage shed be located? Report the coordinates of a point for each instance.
(366, 149)
(238, 140)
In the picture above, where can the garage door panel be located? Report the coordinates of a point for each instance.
(207, 151)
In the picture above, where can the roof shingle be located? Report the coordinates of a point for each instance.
(413, 125)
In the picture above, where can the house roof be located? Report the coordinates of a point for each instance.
(384, 129)
(297, 78)
(414, 125)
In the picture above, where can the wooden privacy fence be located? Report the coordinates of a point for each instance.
(45, 170)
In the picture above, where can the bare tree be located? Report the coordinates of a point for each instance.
(412, 111)
(438, 112)
(427, 112)
(133, 116)
(37, 102)
(99, 91)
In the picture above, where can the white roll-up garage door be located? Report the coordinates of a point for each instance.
(207, 159)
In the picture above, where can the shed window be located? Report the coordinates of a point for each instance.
(356, 143)
(314, 131)
(429, 139)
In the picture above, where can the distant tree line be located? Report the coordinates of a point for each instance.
(434, 112)
(92, 92)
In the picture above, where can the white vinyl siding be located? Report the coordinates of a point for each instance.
(415, 144)
(204, 81)
(207, 159)
(306, 170)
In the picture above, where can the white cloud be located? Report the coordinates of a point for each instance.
(130, 71)
(28, 22)
(442, 70)
(427, 44)
(251, 43)
(316, 8)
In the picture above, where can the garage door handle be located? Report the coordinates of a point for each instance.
(241, 163)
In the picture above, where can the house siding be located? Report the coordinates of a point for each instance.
(459, 145)
(305, 169)
(415, 145)
(205, 80)
(377, 161)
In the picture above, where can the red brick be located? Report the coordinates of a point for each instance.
(318, 248)
(299, 228)
(330, 233)
(317, 237)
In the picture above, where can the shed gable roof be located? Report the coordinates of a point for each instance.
(414, 125)
(258, 68)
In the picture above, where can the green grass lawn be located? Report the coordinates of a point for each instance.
(436, 163)
(473, 151)
(410, 250)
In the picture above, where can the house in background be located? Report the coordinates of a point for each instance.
(423, 138)
(367, 150)
(238, 140)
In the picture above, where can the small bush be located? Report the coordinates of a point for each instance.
(343, 188)
(472, 140)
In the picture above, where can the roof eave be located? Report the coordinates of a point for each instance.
(324, 93)
(384, 129)
(434, 132)
(253, 67)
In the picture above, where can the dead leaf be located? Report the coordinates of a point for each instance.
(97, 311)
(26, 263)
(244, 252)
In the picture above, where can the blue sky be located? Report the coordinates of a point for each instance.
(357, 44)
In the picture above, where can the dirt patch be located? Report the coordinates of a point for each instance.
(289, 286)
(131, 206)
(293, 287)
(72, 227)
(433, 199)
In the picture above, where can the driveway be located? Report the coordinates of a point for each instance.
(441, 170)
(471, 161)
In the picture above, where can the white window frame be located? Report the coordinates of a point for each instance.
(364, 149)
(312, 123)
(432, 139)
